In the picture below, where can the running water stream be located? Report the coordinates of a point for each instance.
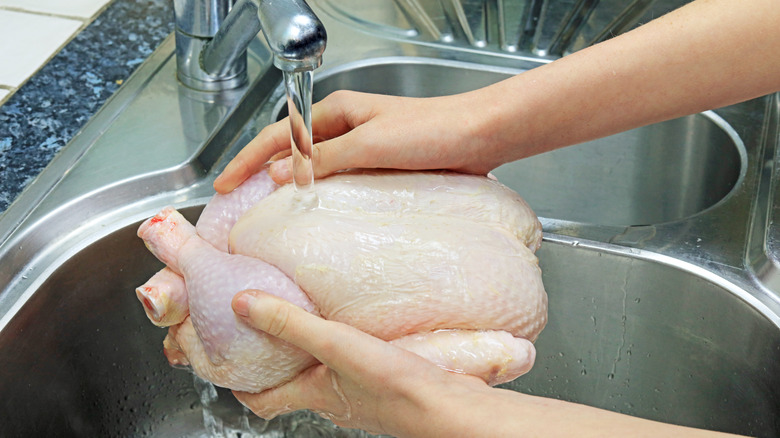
(298, 85)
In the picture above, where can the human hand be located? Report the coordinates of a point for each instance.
(354, 130)
(362, 382)
(366, 383)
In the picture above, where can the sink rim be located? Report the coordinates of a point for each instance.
(717, 279)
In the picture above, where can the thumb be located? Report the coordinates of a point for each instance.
(270, 314)
(252, 158)
(284, 320)
(332, 343)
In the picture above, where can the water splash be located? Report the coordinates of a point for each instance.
(222, 421)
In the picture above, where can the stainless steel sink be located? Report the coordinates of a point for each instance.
(658, 255)
(647, 335)
(651, 175)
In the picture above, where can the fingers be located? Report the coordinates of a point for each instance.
(283, 320)
(312, 389)
(332, 343)
(270, 141)
(261, 406)
(316, 387)
(332, 118)
(328, 157)
(494, 356)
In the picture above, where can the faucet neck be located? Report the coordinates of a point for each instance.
(212, 37)
(197, 24)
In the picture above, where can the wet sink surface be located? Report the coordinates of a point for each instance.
(626, 333)
(641, 337)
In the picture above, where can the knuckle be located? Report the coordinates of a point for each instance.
(262, 408)
(242, 165)
(277, 324)
(339, 96)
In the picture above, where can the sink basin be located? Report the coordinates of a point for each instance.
(647, 336)
(650, 175)
(627, 332)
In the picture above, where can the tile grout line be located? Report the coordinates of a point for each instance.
(13, 89)
(48, 14)
(84, 23)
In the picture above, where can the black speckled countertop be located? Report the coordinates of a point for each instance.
(47, 111)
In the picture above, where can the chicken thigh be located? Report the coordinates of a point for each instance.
(438, 263)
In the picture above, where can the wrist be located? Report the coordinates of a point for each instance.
(458, 405)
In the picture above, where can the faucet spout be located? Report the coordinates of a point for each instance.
(294, 33)
(212, 37)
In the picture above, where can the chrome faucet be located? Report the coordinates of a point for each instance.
(212, 37)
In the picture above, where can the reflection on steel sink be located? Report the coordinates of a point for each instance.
(654, 257)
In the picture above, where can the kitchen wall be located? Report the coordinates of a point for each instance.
(32, 31)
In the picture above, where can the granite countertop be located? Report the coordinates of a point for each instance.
(48, 110)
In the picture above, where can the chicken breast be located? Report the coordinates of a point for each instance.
(395, 253)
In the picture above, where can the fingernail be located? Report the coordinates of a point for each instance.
(219, 181)
(242, 304)
(280, 170)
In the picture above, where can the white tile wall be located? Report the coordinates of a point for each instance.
(32, 31)
(84, 9)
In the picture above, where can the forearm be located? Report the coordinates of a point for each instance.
(705, 55)
(503, 413)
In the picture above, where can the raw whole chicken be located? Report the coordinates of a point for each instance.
(439, 263)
